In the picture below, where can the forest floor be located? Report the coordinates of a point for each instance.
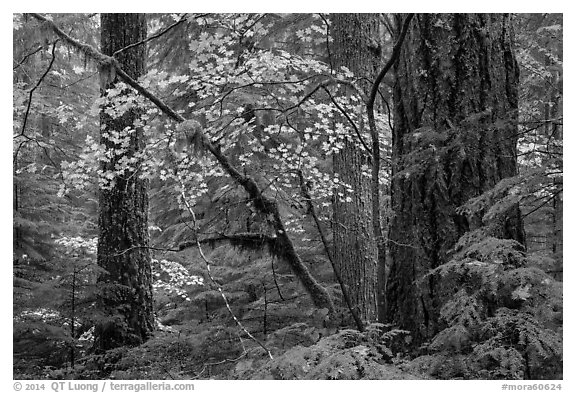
(198, 338)
(345, 355)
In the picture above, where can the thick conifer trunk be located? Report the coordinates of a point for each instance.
(455, 125)
(355, 46)
(126, 289)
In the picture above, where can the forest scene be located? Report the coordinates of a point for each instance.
(245, 196)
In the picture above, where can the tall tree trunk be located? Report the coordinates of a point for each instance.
(558, 200)
(126, 287)
(455, 126)
(356, 46)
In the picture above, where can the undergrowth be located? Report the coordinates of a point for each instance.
(503, 320)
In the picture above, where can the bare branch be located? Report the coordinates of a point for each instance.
(250, 240)
(207, 262)
(29, 104)
(182, 19)
(543, 203)
(328, 42)
(275, 280)
(27, 56)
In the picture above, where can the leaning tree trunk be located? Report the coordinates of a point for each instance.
(355, 46)
(125, 288)
(455, 125)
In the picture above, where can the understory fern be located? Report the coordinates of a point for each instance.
(503, 319)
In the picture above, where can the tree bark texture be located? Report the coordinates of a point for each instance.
(126, 288)
(356, 46)
(455, 134)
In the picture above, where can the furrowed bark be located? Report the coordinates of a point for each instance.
(343, 287)
(356, 46)
(456, 92)
(125, 296)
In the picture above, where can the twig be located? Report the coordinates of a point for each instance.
(275, 281)
(147, 247)
(244, 353)
(312, 210)
(349, 120)
(322, 85)
(402, 244)
(30, 94)
(265, 319)
(207, 262)
(183, 18)
(328, 42)
(166, 371)
(27, 56)
(543, 203)
(387, 108)
(388, 24)
(78, 81)
(248, 237)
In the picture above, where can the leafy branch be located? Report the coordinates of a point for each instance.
(349, 120)
(284, 247)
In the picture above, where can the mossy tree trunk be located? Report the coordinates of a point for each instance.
(125, 296)
(355, 46)
(455, 134)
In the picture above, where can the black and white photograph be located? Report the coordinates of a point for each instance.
(286, 196)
